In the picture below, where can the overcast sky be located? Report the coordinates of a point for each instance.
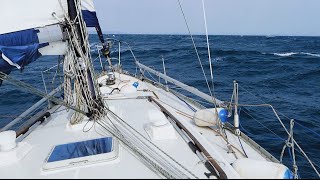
(225, 17)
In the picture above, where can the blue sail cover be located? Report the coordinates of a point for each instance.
(20, 38)
(19, 49)
(19, 55)
(90, 18)
(89, 14)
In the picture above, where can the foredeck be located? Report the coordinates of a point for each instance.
(136, 109)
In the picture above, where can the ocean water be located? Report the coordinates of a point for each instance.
(282, 71)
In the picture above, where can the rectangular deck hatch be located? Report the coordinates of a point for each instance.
(82, 153)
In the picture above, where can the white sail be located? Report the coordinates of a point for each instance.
(20, 15)
(54, 49)
(89, 13)
(88, 5)
(54, 36)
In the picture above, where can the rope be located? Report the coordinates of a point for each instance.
(84, 66)
(137, 143)
(242, 147)
(191, 117)
(134, 131)
(292, 160)
(189, 106)
(144, 159)
(69, 75)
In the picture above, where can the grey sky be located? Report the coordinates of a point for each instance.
(241, 17)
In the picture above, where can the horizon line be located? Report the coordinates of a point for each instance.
(202, 34)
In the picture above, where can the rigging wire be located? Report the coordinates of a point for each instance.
(208, 45)
(317, 134)
(247, 113)
(260, 99)
(284, 127)
(133, 130)
(203, 71)
(264, 102)
(196, 49)
(140, 146)
(310, 130)
(37, 92)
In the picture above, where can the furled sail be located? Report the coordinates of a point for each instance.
(30, 32)
(90, 18)
(89, 13)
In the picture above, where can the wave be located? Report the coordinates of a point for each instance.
(221, 52)
(218, 52)
(285, 54)
(310, 54)
(295, 53)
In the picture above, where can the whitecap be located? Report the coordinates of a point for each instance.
(285, 54)
(294, 53)
(218, 59)
(311, 54)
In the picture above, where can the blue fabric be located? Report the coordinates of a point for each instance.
(21, 55)
(20, 47)
(20, 38)
(90, 18)
(288, 175)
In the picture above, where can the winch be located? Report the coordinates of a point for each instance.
(111, 80)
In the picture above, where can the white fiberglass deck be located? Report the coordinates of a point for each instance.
(134, 108)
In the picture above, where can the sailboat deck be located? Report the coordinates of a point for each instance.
(135, 109)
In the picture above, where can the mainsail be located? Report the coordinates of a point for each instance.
(57, 28)
(23, 40)
(40, 32)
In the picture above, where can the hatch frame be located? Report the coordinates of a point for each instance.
(84, 160)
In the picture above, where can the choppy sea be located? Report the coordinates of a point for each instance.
(282, 71)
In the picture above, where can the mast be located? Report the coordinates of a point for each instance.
(73, 14)
(86, 89)
(73, 17)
